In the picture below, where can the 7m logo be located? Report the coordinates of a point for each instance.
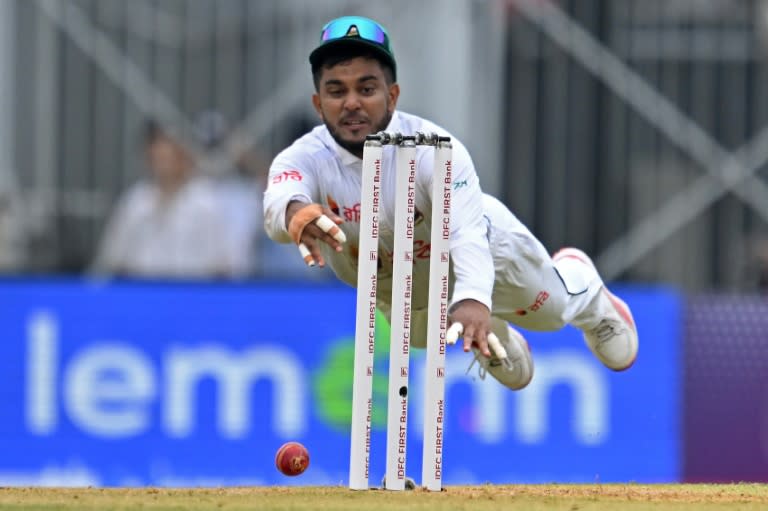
(459, 184)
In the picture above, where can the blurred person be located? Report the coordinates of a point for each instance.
(169, 225)
(239, 177)
(500, 272)
(11, 230)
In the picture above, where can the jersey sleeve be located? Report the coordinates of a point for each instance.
(290, 178)
(469, 245)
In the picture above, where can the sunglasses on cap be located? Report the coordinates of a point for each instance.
(355, 26)
(350, 31)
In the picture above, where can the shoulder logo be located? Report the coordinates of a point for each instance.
(287, 175)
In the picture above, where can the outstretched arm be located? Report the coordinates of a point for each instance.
(470, 254)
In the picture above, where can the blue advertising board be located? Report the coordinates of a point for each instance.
(136, 384)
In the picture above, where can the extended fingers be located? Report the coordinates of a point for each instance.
(478, 338)
(330, 227)
(311, 223)
(474, 336)
(453, 333)
(311, 253)
(328, 231)
(471, 336)
(306, 254)
(498, 349)
(468, 339)
(324, 229)
(482, 345)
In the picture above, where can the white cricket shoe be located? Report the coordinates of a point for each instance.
(514, 372)
(614, 339)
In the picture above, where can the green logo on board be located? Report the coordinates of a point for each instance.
(333, 381)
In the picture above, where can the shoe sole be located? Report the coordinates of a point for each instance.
(526, 354)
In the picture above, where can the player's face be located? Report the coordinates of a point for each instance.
(354, 100)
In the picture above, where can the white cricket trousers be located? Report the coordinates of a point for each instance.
(531, 290)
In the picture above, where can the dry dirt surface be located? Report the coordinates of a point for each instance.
(591, 497)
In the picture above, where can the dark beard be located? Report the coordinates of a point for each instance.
(356, 148)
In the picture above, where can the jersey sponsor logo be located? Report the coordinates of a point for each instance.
(459, 184)
(352, 214)
(536, 305)
(287, 175)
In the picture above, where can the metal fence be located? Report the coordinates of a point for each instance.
(90, 71)
(631, 128)
(635, 129)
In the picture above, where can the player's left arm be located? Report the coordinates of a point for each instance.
(470, 254)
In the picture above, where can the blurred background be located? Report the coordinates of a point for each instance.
(634, 129)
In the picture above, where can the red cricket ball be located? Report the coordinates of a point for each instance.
(292, 458)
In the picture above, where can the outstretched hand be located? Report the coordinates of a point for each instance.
(475, 320)
(309, 234)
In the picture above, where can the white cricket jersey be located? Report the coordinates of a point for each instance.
(316, 169)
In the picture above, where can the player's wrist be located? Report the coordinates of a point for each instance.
(293, 206)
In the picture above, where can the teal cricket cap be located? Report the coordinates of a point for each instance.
(351, 31)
